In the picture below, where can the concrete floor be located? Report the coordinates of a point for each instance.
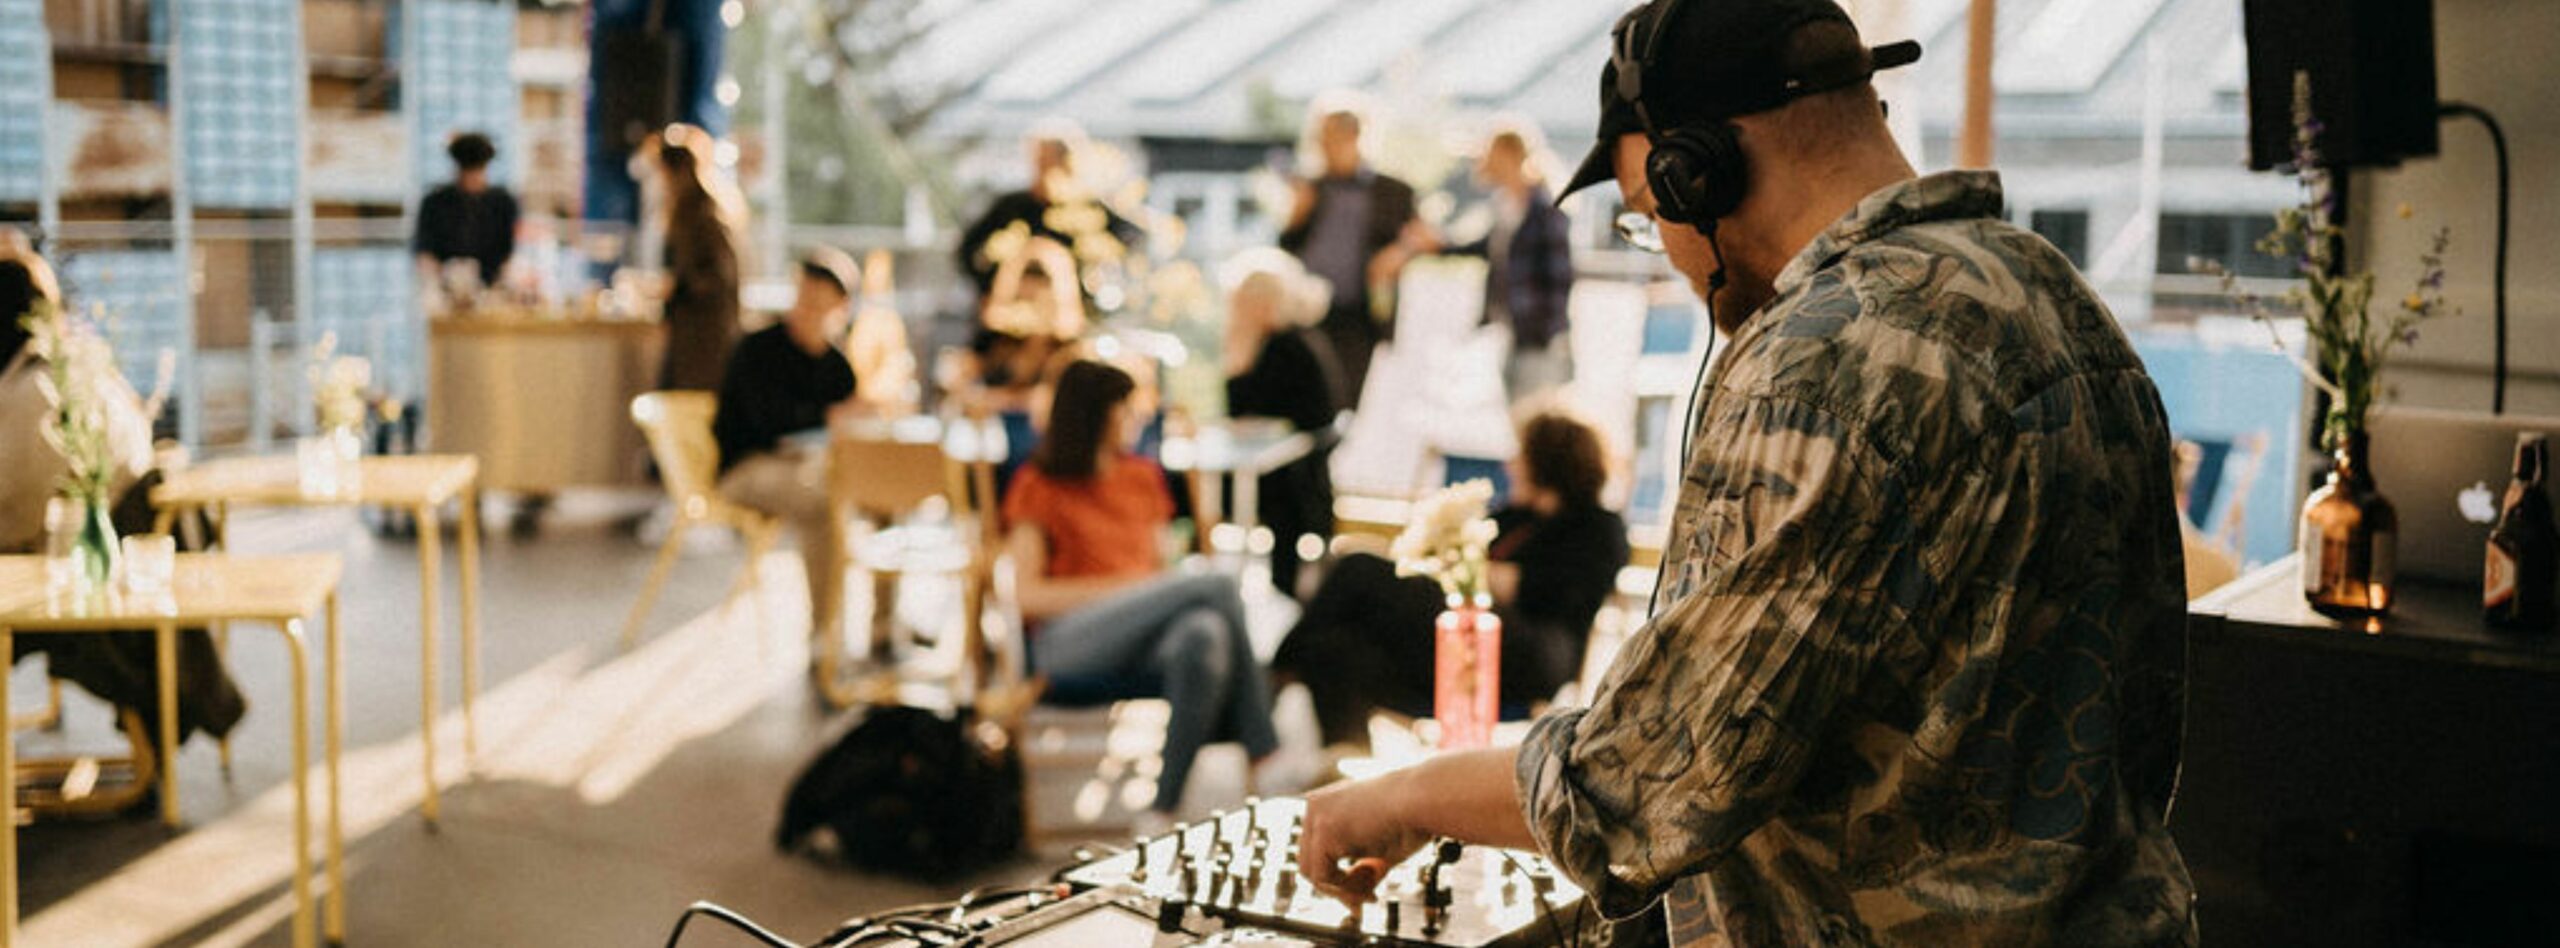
(610, 789)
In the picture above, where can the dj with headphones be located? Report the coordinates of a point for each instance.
(1915, 663)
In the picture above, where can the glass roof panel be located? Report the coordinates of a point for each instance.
(2070, 45)
(1209, 49)
(1361, 40)
(1100, 36)
(1502, 50)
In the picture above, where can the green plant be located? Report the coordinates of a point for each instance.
(2350, 346)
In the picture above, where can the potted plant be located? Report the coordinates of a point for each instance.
(2348, 528)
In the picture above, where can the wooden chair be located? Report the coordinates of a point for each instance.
(678, 428)
(877, 476)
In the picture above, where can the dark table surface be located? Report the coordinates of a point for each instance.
(2432, 620)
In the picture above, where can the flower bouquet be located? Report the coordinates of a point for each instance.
(331, 463)
(2348, 528)
(1445, 539)
(79, 378)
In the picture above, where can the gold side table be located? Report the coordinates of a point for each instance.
(421, 484)
(205, 589)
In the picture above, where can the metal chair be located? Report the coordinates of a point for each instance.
(678, 428)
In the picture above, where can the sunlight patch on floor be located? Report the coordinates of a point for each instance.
(563, 724)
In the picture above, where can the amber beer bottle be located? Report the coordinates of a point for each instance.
(2349, 539)
(2523, 572)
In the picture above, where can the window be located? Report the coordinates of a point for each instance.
(2228, 239)
(2067, 230)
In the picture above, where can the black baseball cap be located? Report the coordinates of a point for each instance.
(1718, 59)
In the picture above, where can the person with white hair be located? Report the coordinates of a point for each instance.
(1279, 365)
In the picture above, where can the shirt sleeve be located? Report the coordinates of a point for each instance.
(1159, 487)
(1798, 557)
(830, 378)
(509, 215)
(1026, 500)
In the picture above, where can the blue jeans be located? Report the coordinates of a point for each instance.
(1181, 638)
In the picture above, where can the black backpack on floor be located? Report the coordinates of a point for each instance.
(911, 792)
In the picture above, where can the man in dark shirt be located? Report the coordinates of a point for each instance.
(470, 219)
(784, 379)
(1341, 227)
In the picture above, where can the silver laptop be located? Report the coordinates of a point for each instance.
(2445, 472)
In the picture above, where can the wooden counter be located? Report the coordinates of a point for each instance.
(543, 402)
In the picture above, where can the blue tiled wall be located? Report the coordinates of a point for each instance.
(25, 60)
(463, 81)
(363, 294)
(138, 295)
(236, 67)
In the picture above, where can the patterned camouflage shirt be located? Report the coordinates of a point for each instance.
(1914, 670)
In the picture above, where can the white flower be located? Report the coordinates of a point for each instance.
(338, 384)
(1445, 538)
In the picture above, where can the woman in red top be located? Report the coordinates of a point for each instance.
(1084, 520)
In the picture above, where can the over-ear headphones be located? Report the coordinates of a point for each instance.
(1698, 173)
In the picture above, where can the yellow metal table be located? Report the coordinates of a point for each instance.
(204, 589)
(421, 484)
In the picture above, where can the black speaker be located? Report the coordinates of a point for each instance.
(2373, 78)
(636, 85)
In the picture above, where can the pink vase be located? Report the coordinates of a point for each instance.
(1466, 693)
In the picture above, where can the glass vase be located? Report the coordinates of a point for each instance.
(2350, 535)
(1466, 694)
(330, 464)
(80, 545)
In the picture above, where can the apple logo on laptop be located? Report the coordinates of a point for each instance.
(2478, 504)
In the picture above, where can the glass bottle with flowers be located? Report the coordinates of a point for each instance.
(1445, 539)
(78, 378)
(2348, 529)
(331, 464)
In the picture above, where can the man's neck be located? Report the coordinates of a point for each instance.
(808, 335)
(1805, 211)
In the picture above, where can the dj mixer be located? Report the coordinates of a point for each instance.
(1237, 872)
(1232, 880)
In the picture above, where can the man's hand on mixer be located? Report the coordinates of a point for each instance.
(1355, 832)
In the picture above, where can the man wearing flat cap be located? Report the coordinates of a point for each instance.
(1915, 665)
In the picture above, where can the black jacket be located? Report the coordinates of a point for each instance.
(1295, 376)
(453, 225)
(1390, 209)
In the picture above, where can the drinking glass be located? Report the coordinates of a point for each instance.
(63, 520)
(150, 562)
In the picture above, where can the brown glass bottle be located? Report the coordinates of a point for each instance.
(2517, 587)
(2349, 537)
